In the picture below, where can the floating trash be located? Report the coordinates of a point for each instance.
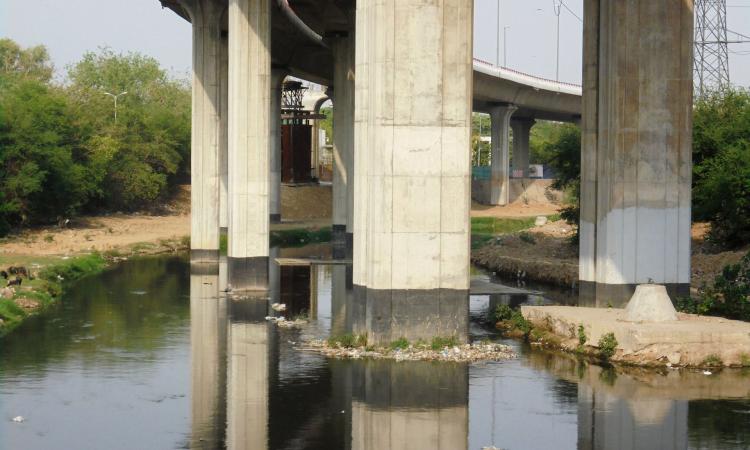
(18, 419)
(278, 307)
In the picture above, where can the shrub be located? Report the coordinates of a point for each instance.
(582, 338)
(502, 312)
(728, 297)
(607, 345)
(519, 322)
(399, 344)
(712, 360)
(527, 237)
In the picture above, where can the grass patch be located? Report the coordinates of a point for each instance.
(712, 361)
(439, 343)
(399, 344)
(502, 312)
(348, 341)
(495, 225)
(300, 237)
(47, 286)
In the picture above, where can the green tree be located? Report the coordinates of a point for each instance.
(32, 62)
(721, 165)
(142, 154)
(44, 175)
(563, 154)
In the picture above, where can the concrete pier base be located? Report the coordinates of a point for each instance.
(387, 315)
(500, 159)
(248, 274)
(602, 295)
(204, 256)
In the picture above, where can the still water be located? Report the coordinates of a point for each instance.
(148, 356)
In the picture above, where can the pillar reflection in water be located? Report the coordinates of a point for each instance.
(208, 339)
(409, 405)
(248, 369)
(609, 422)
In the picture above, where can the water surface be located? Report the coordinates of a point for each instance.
(148, 356)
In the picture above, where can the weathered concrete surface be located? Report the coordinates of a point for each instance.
(343, 132)
(688, 341)
(249, 142)
(521, 134)
(636, 147)
(500, 161)
(274, 180)
(206, 129)
(650, 303)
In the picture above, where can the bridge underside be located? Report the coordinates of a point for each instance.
(403, 138)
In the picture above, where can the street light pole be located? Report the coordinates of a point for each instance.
(557, 8)
(116, 97)
(497, 60)
(505, 46)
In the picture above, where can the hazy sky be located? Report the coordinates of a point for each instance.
(71, 27)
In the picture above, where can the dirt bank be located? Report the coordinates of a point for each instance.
(546, 254)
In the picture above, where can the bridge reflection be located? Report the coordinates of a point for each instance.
(252, 389)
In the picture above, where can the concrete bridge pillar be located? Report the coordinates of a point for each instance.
(277, 86)
(343, 140)
(500, 160)
(205, 16)
(249, 143)
(636, 147)
(416, 120)
(224, 135)
(521, 133)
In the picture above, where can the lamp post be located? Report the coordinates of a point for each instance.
(116, 97)
(557, 8)
(505, 46)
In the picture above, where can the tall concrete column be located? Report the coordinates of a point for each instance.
(500, 159)
(277, 86)
(417, 153)
(205, 16)
(636, 148)
(224, 136)
(343, 138)
(521, 133)
(249, 144)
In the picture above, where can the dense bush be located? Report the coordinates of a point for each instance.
(728, 297)
(721, 158)
(61, 150)
(563, 153)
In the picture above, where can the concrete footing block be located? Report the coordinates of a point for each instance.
(650, 303)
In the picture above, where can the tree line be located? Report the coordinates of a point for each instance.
(62, 152)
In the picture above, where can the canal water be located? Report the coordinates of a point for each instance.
(148, 356)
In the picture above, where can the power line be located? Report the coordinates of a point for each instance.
(570, 11)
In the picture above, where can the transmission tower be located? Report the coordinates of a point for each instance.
(711, 65)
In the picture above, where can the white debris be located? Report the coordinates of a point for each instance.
(18, 419)
(707, 372)
(278, 307)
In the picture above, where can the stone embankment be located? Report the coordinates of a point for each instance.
(689, 341)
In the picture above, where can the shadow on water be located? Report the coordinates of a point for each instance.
(149, 355)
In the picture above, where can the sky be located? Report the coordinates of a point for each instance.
(69, 28)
